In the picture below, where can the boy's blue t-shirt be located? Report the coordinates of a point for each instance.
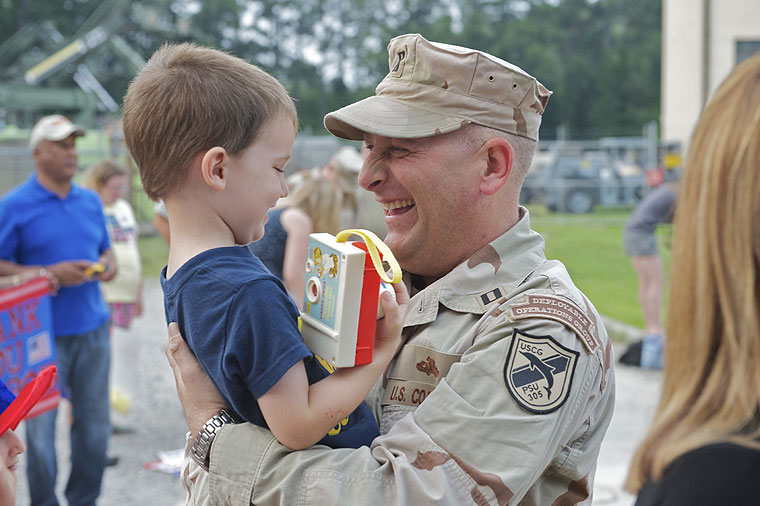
(241, 324)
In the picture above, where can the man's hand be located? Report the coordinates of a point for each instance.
(70, 272)
(198, 395)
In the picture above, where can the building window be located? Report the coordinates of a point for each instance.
(745, 49)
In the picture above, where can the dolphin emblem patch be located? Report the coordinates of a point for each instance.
(539, 372)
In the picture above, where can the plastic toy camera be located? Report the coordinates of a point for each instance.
(343, 282)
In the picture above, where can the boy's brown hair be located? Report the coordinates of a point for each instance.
(188, 99)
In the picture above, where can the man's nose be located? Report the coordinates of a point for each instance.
(372, 174)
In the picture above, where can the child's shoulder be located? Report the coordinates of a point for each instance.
(233, 265)
(238, 266)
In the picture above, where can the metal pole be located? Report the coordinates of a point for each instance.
(706, 36)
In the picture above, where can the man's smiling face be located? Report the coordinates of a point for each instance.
(429, 191)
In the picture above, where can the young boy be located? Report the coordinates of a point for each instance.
(211, 135)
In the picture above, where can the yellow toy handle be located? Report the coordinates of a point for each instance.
(373, 244)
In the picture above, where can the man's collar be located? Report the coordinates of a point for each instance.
(489, 274)
(47, 192)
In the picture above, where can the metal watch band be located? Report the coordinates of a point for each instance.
(201, 449)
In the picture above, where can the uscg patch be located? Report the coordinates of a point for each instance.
(539, 372)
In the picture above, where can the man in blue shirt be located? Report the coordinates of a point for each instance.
(50, 222)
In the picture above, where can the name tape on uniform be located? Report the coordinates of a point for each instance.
(415, 373)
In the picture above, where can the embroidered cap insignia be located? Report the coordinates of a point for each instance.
(539, 372)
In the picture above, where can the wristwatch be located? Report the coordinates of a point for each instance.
(201, 449)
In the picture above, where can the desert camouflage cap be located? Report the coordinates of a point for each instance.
(435, 88)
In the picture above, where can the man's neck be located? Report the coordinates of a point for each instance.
(60, 188)
(497, 229)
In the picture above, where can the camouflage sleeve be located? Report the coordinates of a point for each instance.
(193, 478)
(472, 440)
(248, 466)
(514, 412)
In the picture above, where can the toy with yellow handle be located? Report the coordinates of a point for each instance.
(343, 283)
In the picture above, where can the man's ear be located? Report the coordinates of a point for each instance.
(214, 167)
(500, 158)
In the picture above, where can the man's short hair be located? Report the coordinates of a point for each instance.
(188, 99)
(523, 147)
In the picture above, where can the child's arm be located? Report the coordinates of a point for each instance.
(299, 414)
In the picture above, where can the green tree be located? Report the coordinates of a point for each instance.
(600, 57)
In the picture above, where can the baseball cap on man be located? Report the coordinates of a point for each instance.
(435, 88)
(13, 409)
(54, 128)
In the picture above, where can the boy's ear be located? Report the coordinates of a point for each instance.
(500, 157)
(214, 165)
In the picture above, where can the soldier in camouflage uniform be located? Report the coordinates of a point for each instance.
(504, 388)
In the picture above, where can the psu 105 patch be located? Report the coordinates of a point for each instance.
(539, 372)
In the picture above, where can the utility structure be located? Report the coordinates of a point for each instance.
(38, 64)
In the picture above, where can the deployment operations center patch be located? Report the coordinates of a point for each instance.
(539, 372)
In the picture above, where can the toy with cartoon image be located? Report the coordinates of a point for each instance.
(342, 288)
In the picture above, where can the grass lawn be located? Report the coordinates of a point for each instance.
(154, 252)
(591, 247)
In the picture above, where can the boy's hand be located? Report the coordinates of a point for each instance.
(388, 330)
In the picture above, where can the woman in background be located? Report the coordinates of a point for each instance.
(124, 292)
(704, 444)
(312, 206)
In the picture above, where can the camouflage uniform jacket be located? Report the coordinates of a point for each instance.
(500, 396)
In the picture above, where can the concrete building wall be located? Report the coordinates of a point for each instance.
(699, 49)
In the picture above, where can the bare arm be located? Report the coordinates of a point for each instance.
(298, 226)
(66, 273)
(300, 414)
(162, 226)
(26, 275)
(109, 262)
(8, 268)
(139, 301)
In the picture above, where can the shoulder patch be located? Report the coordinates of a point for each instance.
(561, 310)
(539, 372)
